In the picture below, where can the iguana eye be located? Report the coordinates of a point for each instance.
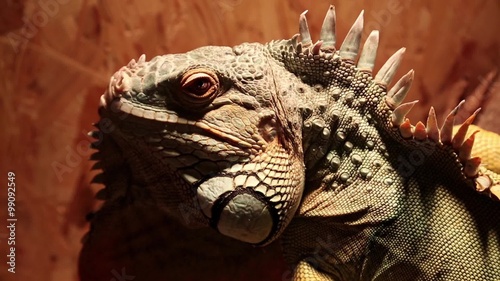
(199, 86)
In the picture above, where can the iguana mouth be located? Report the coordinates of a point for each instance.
(123, 106)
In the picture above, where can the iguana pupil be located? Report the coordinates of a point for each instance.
(199, 86)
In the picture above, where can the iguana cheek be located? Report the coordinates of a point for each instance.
(253, 201)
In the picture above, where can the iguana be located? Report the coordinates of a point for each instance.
(298, 141)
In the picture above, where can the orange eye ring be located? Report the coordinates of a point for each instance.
(199, 86)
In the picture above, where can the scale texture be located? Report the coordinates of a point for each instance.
(298, 142)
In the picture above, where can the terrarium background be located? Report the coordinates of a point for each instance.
(51, 83)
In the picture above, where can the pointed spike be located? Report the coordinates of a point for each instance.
(350, 46)
(464, 152)
(472, 167)
(294, 40)
(447, 128)
(405, 129)
(328, 35)
(298, 48)
(369, 53)
(432, 126)
(304, 30)
(420, 132)
(131, 63)
(316, 48)
(388, 70)
(459, 137)
(306, 51)
(399, 114)
(398, 92)
(142, 59)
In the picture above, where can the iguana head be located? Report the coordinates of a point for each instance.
(214, 124)
(224, 136)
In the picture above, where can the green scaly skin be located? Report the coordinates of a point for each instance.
(296, 140)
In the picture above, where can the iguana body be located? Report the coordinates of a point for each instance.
(296, 140)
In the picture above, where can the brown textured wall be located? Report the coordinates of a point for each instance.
(57, 56)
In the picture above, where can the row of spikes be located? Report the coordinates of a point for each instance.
(461, 145)
(444, 135)
(420, 132)
(349, 49)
